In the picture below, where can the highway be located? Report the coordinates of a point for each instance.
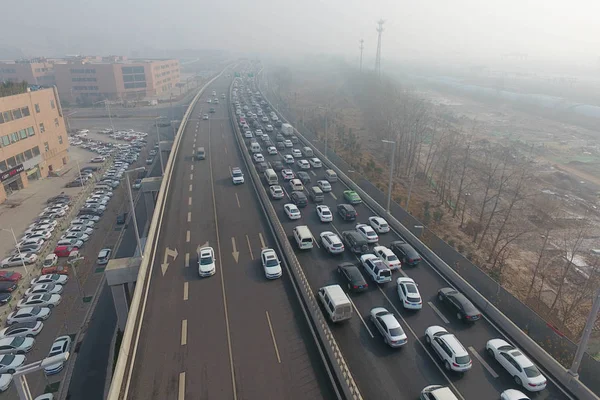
(234, 335)
(382, 372)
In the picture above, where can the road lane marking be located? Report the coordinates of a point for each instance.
(185, 290)
(191, 177)
(313, 172)
(482, 361)
(190, 201)
(361, 318)
(333, 195)
(184, 332)
(189, 216)
(187, 236)
(225, 148)
(192, 167)
(190, 187)
(181, 395)
(438, 312)
(249, 247)
(187, 260)
(262, 241)
(238, 200)
(193, 152)
(273, 337)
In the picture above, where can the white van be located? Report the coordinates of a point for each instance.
(271, 177)
(255, 147)
(304, 237)
(307, 151)
(335, 302)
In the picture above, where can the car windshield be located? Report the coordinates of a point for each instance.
(206, 260)
(8, 359)
(237, 174)
(18, 341)
(396, 331)
(532, 371)
(463, 360)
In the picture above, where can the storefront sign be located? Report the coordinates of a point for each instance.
(11, 172)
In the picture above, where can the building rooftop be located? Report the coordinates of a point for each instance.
(12, 88)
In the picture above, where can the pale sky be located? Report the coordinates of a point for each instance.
(477, 29)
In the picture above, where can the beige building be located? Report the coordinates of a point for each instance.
(35, 72)
(33, 139)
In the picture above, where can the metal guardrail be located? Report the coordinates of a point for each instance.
(341, 369)
(572, 384)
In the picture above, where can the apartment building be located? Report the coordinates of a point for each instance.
(33, 138)
(39, 71)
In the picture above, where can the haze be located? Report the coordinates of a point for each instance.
(559, 31)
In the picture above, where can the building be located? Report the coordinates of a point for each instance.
(39, 71)
(33, 138)
(86, 80)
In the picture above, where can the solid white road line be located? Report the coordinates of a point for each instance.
(262, 241)
(273, 337)
(187, 236)
(225, 149)
(361, 318)
(186, 290)
(482, 361)
(181, 395)
(313, 172)
(187, 260)
(333, 195)
(184, 332)
(238, 200)
(438, 312)
(249, 247)
(189, 216)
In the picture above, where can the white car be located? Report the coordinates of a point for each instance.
(332, 242)
(512, 394)
(303, 164)
(50, 278)
(80, 229)
(272, 150)
(103, 256)
(105, 193)
(248, 134)
(324, 185)
(270, 263)
(206, 262)
(523, 371)
(288, 159)
(9, 363)
(296, 185)
(258, 132)
(287, 174)
(452, 353)
(50, 260)
(265, 119)
(44, 235)
(83, 222)
(42, 300)
(376, 268)
(379, 224)
(367, 232)
(435, 392)
(70, 242)
(28, 314)
(409, 293)
(93, 218)
(269, 128)
(288, 143)
(276, 192)
(296, 153)
(62, 344)
(389, 327)
(35, 242)
(16, 345)
(324, 213)
(42, 225)
(18, 260)
(43, 288)
(57, 207)
(237, 176)
(55, 213)
(26, 329)
(75, 236)
(5, 381)
(388, 257)
(315, 162)
(258, 157)
(292, 211)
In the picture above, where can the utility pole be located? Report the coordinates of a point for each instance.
(361, 47)
(378, 54)
(587, 331)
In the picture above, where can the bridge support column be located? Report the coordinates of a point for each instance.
(150, 188)
(121, 274)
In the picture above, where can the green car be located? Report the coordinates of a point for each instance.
(352, 197)
(212, 110)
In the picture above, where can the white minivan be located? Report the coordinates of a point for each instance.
(255, 147)
(335, 302)
(271, 177)
(304, 237)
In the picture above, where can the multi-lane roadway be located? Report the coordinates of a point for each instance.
(234, 335)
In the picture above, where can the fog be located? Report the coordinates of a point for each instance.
(565, 32)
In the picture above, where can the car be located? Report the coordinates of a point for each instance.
(36, 242)
(303, 164)
(265, 119)
(258, 157)
(98, 159)
(70, 242)
(270, 263)
(376, 268)
(10, 276)
(61, 345)
(28, 314)
(50, 278)
(237, 176)
(5, 298)
(409, 293)
(324, 185)
(121, 218)
(206, 262)
(292, 211)
(65, 197)
(458, 303)
(332, 242)
(262, 167)
(93, 211)
(23, 329)
(523, 371)
(104, 256)
(276, 192)
(8, 287)
(379, 224)
(352, 197)
(405, 252)
(30, 248)
(452, 353)
(304, 177)
(258, 132)
(42, 225)
(44, 235)
(437, 392)
(209, 101)
(299, 198)
(137, 184)
(388, 257)
(296, 184)
(82, 223)
(288, 143)
(269, 128)
(324, 213)
(57, 208)
(205, 116)
(43, 288)
(512, 394)
(56, 269)
(288, 159)
(355, 282)
(315, 162)
(75, 183)
(64, 251)
(10, 362)
(89, 217)
(296, 153)
(75, 236)
(80, 229)
(277, 165)
(16, 345)
(149, 161)
(367, 232)
(347, 212)
(287, 174)
(389, 327)
(18, 260)
(272, 150)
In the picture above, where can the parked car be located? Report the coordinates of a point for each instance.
(16, 345)
(8, 287)
(17, 260)
(9, 363)
(10, 276)
(28, 314)
(51, 278)
(43, 288)
(23, 329)
(42, 299)
(62, 344)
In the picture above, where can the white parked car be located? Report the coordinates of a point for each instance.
(16, 345)
(43, 288)
(409, 293)
(83, 222)
(367, 232)
(80, 229)
(292, 211)
(42, 300)
(324, 213)
(452, 353)
(276, 192)
(5, 381)
(303, 164)
(332, 242)
(31, 242)
(9, 363)
(388, 257)
(26, 329)
(206, 262)
(50, 260)
(324, 185)
(523, 371)
(17, 260)
(62, 344)
(389, 327)
(38, 234)
(42, 225)
(54, 213)
(50, 278)
(70, 242)
(379, 224)
(28, 314)
(75, 236)
(270, 263)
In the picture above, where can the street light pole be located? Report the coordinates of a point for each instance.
(587, 331)
(391, 182)
(132, 205)
(12, 231)
(162, 166)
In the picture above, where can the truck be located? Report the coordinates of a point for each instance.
(287, 129)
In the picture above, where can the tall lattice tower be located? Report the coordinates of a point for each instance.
(378, 55)
(361, 47)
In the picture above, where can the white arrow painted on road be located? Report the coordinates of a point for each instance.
(201, 246)
(168, 253)
(235, 253)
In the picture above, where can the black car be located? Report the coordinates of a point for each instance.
(347, 212)
(355, 242)
(75, 183)
(277, 165)
(60, 198)
(5, 298)
(464, 309)
(90, 168)
(304, 177)
(353, 278)
(278, 123)
(121, 218)
(299, 199)
(7, 287)
(405, 252)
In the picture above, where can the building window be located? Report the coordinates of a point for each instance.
(52, 104)
(3, 166)
(42, 129)
(25, 111)
(5, 141)
(56, 122)
(14, 137)
(1, 118)
(30, 131)
(19, 158)
(59, 139)
(7, 116)
(35, 151)
(23, 133)
(28, 155)
(37, 108)
(17, 113)
(46, 147)
(11, 162)
(64, 160)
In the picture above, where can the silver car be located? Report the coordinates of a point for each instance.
(16, 345)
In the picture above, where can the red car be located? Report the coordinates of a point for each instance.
(10, 276)
(64, 251)
(56, 269)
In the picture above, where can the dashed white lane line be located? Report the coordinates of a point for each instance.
(249, 247)
(187, 236)
(189, 216)
(438, 312)
(192, 167)
(187, 260)
(238, 200)
(191, 177)
(333, 195)
(193, 151)
(482, 361)
(361, 318)
(181, 395)
(225, 149)
(190, 201)
(262, 240)
(185, 290)
(273, 337)
(313, 172)
(190, 187)
(184, 332)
